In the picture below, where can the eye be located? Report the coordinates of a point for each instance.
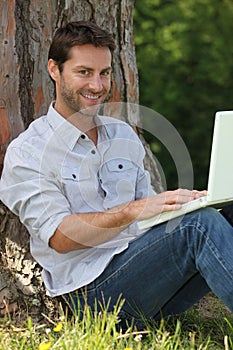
(106, 73)
(84, 72)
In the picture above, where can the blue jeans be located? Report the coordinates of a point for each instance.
(163, 274)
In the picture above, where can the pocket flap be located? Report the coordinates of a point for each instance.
(119, 165)
(75, 173)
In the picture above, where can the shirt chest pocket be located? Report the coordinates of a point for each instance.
(74, 179)
(118, 178)
(80, 187)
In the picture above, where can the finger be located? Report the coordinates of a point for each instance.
(171, 207)
(179, 196)
(199, 194)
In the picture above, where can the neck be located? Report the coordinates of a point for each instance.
(83, 122)
(93, 135)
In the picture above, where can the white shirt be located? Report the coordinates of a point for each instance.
(52, 170)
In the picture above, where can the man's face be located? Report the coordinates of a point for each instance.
(85, 80)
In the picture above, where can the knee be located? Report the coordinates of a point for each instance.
(206, 218)
(210, 212)
(212, 217)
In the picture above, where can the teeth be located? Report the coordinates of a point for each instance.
(91, 97)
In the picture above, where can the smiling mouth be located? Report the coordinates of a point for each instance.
(91, 97)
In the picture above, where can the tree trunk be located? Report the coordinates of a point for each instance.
(26, 92)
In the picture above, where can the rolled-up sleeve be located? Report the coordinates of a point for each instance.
(35, 197)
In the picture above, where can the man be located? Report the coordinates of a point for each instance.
(77, 182)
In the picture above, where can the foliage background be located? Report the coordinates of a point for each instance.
(185, 60)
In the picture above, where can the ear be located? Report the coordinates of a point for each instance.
(53, 69)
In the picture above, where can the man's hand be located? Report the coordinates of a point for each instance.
(165, 201)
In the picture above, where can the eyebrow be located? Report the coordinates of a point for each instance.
(91, 69)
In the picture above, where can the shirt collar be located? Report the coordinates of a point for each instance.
(70, 133)
(65, 130)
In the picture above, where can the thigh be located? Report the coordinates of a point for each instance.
(157, 271)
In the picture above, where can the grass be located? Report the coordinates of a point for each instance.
(194, 330)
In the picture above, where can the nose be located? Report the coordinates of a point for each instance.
(96, 83)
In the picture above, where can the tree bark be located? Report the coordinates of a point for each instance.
(26, 92)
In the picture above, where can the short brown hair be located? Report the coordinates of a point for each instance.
(78, 33)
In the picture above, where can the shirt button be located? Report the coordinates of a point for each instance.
(120, 166)
(73, 176)
(83, 136)
(93, 151)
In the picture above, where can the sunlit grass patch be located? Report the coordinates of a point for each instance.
(100, 331)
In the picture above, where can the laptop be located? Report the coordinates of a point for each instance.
(220, 179)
